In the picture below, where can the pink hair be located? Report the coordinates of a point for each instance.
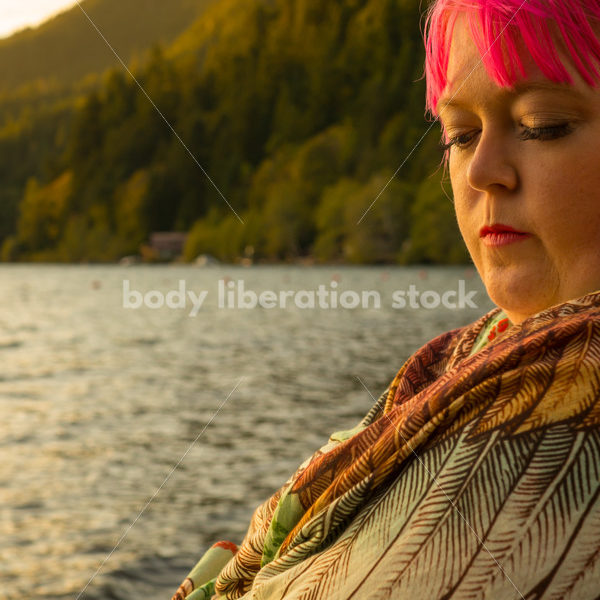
(538, 23)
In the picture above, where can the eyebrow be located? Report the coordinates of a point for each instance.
(521, 88)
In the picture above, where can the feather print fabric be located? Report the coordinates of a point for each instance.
(473, 476)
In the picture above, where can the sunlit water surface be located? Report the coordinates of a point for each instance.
(99, 403)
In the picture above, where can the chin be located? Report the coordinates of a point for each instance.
(520, 295)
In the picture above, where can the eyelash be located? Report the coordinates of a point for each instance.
(528, 133)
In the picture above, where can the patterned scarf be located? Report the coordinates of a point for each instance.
(542, 372)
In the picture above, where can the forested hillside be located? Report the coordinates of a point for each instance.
(67, 48)
(300, 111)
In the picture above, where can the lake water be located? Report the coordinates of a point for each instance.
(100, 402)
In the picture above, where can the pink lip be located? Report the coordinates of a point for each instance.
(501, 235)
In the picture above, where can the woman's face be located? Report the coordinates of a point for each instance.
(526, 159)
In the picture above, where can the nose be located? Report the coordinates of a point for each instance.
(493, 163)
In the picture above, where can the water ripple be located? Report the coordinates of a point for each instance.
(99, 403)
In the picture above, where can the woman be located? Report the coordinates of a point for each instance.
(476, 474)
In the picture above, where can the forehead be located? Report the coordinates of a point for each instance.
(467, 75)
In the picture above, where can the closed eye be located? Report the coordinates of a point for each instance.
(550, 132)
(545, 133)
(460, 141)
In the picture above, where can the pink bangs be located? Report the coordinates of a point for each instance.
(536, 23)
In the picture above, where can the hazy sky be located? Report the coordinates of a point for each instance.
(16, 14)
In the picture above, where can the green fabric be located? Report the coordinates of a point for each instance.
(482, 339)
(205, 592)
(200, 582)
(209, 565)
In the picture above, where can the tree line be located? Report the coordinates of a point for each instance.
(299, 111)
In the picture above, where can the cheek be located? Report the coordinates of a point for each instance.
(574, 231)
(464, 222)
(464, 206)
(469, 230)
(567, 210)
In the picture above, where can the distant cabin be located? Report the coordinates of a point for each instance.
(167, 245)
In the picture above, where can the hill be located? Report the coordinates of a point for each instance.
(67, 48)
(300, 111)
